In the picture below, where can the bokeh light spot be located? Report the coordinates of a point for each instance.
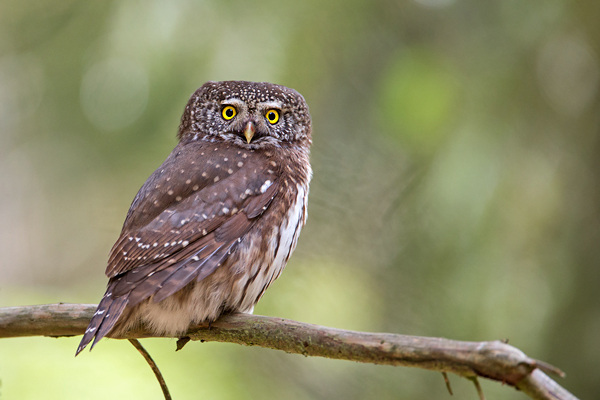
(568, 73)
(21, 90)
(417, 99)
(435, 3)
(114, 93)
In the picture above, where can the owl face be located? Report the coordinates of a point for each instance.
(250, 114)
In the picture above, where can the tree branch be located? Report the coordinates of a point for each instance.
(492, 360)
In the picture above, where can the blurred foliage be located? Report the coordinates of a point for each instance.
(456, 189)
(417, 101)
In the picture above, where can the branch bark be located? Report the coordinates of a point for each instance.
(492, 360)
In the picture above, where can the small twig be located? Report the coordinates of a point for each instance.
(549, 369)
(478, 387)
(182, 341)
(161, 381)
(445, 375)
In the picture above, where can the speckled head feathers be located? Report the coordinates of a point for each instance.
(203, 119)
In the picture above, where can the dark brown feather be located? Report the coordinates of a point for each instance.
(210, 233)
(112, 315)
(108, 312)
(201, 209)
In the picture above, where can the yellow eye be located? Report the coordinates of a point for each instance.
(272, 116)
(228, 112)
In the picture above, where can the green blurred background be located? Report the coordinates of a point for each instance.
(456, 186)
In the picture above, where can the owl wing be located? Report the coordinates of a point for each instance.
(188, 217)
(184, 222)
(194, 193)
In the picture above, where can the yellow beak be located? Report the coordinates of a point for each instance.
(249, 130)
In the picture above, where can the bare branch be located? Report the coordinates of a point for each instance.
(492, 360)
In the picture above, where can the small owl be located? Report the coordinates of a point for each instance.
(216, 223)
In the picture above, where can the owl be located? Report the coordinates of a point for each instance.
(216, 223)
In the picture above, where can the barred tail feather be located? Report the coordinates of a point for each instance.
(108, 312)
(111, 318)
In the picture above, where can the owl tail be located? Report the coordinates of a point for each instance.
(108, 312)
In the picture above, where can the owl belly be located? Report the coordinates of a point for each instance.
(253, 282)
(236, 286)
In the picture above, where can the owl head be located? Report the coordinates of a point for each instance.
(250, 114)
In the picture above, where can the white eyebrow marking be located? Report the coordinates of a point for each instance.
(267, 105)
(234, 102)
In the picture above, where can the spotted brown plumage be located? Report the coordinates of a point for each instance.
(216, 223)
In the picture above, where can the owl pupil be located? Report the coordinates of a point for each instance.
(229, 112)
(271, 115)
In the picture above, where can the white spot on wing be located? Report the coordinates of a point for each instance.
(265, 186)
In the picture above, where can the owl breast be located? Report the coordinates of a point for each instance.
(280, 245)
(235, 286)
